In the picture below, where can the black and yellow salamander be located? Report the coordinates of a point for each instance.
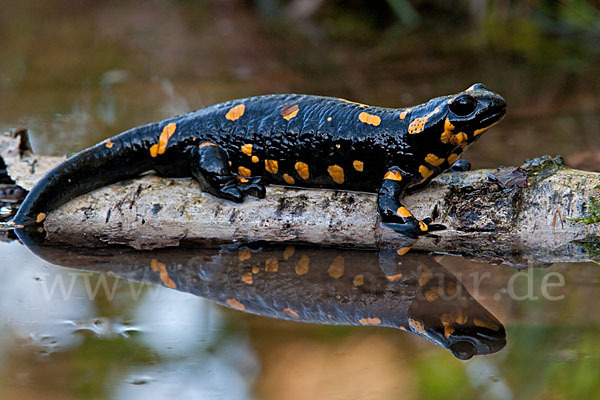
(234, 148)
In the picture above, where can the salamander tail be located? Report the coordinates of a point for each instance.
(113, 160)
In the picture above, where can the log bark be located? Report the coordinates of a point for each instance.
(519, 215)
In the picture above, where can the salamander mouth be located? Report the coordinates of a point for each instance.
(496, 115)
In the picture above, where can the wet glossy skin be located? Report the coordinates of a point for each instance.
(234, 148)
(315, 285)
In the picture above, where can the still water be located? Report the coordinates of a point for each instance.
(282, 322)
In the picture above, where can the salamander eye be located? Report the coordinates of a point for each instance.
(463, 105)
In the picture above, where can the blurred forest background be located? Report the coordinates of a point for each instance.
(77, 72)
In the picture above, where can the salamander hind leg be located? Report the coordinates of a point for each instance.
(210, 166)
(393, 214)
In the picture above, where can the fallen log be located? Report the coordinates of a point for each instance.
(541, 212)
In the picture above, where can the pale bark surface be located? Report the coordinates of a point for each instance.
(485, 218)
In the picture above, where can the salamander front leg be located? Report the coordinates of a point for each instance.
(393, 214)
(210, 166)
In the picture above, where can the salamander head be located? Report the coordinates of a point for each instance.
(475, 110)
(458, 323)
(466, 339)
(455, 121)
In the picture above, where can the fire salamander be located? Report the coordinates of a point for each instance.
(233, 149)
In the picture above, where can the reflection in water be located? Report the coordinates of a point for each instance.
(64, 336)
(325, 286)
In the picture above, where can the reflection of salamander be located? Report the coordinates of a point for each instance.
(234, 148)
(324, 286)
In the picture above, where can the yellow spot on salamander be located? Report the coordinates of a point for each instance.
(336, 269)
(424, 278)
(448, 129)
(403, 212)
(445, 138)
(291, 313)
(458, 139)
(403, 114)
(446, 319)
(358, 280)
(485, 324)
(434, 160)
(393, 175)
(40, 217)
(243, 180)
(244, 255)
(369, 119)
(255, 270)
(337, 173)
(448, 330)
(453, 318)
(235, 304)
(109, 144)
(452, 158)
(417, 125)
(288, 252)
(244, 171)
(272, 166)
(272, 265)
(247, 278)
(394, 278)
(154, 150)
(423, 226)
(288, 179)
(402, 251)
(204, 144)
(236, 112)
(329, 119)
(302, 266)
(432, 294)
(370, 321)
(302, 169)
(165, 135)
(358, 165)
(255, 159)
(169, 130)
(289, 112)
(162, 271)
(247, 149)
(425, 172)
